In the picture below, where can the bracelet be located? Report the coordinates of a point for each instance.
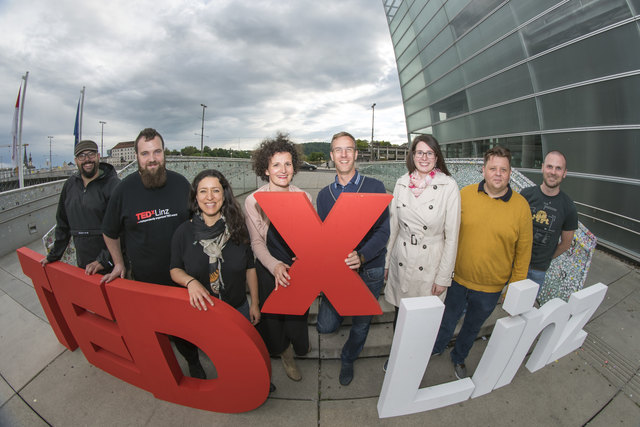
(187, 284)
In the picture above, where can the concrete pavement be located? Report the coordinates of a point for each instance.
(42, 383)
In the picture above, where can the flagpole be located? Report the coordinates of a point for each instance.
(81, 114)
(21, 162)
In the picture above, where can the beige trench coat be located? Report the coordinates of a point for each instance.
(424, 238)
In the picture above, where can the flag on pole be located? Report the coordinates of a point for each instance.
(76, 128)
(15, 151)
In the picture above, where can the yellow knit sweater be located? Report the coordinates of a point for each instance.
(494, 245)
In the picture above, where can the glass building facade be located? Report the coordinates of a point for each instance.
(534, 76)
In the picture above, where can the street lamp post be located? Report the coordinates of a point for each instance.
(50, 159)
(202, 131)
(102, 138)
(373, 113)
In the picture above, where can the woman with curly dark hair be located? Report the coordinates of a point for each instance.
(211, 254)
(276, 161)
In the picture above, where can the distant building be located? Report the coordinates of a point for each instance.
(123, 152)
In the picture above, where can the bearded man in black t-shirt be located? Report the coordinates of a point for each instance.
(146, 208)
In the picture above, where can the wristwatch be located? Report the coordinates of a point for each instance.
(361, 258)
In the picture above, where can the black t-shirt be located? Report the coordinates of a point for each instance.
(187, 254)
(148, 217)
(551, 215)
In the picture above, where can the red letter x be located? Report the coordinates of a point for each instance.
(321, 248)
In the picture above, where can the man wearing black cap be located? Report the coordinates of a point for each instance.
(83, 200)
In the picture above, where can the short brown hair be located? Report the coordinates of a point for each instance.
(340, 135)
(497, 151)
(148, 134)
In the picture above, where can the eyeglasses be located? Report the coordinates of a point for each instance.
(340, 150)
(429, 154)
(91, 155)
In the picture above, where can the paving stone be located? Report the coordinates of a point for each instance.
(606, 269)
(619, 328)
(622, 412)
(618, 291)
(70, 391)
(6, 392)
(274, 412)
(17, 413)
(306, 389)
(28, 343)
(11, 264)
(22, 293)
(367, 379)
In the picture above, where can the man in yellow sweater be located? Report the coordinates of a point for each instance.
(494, 249)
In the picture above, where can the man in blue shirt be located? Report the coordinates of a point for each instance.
(368, 256)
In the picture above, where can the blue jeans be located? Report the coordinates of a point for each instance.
(538, 277)
(479, 307)
(329, 320)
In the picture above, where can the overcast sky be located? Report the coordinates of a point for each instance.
(310, 68)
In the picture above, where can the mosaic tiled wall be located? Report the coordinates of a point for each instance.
(567, 272)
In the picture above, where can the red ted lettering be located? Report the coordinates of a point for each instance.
(122, 328)
(144, 215)
(321, 248)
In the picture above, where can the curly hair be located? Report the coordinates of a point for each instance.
(432, 142)
(231, 210)
(270, 146)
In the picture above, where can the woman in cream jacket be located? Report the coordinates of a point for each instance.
(424, 220)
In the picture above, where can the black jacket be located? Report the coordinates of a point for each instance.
(80, 213)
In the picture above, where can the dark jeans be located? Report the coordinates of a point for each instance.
(329, 320)
(479, 307)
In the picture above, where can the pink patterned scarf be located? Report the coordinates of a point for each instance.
(418, 184)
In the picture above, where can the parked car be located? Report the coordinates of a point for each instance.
(308, 166)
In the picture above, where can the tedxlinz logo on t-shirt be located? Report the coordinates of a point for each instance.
(154, 215)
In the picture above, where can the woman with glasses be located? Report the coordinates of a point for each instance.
(424, 217)
(276, 161)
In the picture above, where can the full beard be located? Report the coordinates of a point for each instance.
(155, 179)
(91, 173)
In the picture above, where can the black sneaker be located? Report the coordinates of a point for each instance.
(196, 370)
(386, 364)
(460, 370)
(346, 373)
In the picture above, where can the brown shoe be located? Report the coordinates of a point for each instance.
(289, 364)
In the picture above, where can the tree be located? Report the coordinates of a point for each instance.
(316, 156)
(190, 151)
(383, 143)
(362, 144)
